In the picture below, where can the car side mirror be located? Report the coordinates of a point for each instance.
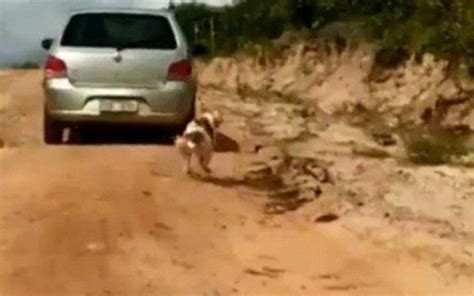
(47, 43)
(200, 50)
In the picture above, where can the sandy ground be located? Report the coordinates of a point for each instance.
(123, 220)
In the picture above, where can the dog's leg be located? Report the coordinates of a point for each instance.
(205, 160)
(187, 165)
(205, 167)
(182, 144)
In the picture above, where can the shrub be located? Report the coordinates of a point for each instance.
(435, 147)
(26, 66)
(441, 27)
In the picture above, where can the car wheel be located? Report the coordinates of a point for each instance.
(178, 130)
(52, 130)
(192, 114)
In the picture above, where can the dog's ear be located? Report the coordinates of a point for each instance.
(218, 117)
(200, 121)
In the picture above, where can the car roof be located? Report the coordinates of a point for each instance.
(161, 12)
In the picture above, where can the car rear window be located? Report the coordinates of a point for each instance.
(119, 30)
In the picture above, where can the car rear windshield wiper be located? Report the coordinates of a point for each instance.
(148, 43)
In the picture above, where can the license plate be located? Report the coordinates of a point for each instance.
(117, 106)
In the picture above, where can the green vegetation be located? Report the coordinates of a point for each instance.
(442, 27)
(26, 66)
(435, 147)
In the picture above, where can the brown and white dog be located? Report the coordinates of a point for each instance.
(199, 139)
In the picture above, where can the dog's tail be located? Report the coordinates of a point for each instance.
(184, 145)
(181, 144)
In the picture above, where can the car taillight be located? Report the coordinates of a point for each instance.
(55, 68)
(180, 71)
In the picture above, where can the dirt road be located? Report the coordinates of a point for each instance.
(123, 220)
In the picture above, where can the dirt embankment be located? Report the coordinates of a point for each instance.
(415, 90)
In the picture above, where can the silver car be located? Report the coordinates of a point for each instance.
(118, 67)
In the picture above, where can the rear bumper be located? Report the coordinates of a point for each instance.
(170, 104)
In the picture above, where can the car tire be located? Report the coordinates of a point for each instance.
(191, 116)
(52, 130)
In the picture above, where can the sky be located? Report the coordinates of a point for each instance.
(24, 23)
